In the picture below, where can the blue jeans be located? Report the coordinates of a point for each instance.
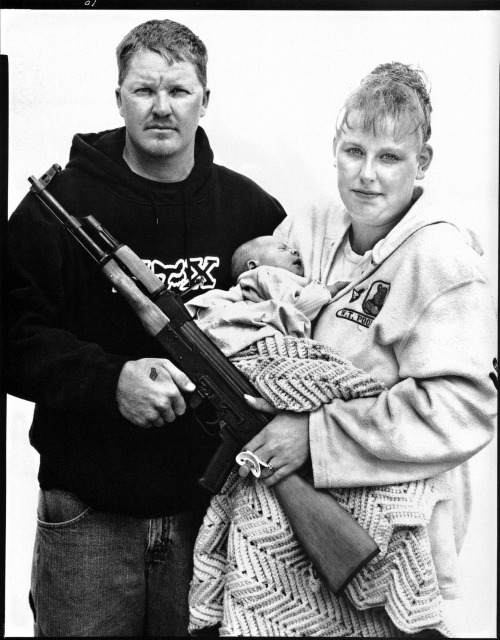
(102, 574)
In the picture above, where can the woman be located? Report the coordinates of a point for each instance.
(418, 316)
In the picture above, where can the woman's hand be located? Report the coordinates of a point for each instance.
(283, 443)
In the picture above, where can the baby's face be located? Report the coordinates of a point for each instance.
(275, 253)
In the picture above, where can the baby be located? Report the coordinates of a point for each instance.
(271, 296)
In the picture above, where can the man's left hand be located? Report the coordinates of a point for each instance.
(283, 443)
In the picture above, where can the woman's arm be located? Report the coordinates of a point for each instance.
(441, 413)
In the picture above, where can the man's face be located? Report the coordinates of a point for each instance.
(161, 104)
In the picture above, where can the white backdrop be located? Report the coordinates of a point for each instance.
(278, 80)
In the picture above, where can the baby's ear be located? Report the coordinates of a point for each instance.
(252, 263)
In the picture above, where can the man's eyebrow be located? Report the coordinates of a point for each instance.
(152, 79)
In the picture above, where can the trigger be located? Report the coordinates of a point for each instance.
(195, 400)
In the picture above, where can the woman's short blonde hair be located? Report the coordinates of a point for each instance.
(393, 93)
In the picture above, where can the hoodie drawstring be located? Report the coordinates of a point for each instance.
(185, 230)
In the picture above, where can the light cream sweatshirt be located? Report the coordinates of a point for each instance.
(419, 317)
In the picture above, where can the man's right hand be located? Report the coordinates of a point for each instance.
(149, 392)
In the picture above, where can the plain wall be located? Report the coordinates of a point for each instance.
(277, 80)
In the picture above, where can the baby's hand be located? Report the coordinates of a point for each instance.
(334, 288)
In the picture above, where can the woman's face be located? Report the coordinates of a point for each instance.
(376, 174)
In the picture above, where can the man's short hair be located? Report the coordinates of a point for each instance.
(172, 40)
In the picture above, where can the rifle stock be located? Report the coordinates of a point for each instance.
(336, 544)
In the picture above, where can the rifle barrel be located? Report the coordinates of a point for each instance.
(72, 224)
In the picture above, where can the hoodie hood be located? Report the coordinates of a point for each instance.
(100, 155)
(421, 214)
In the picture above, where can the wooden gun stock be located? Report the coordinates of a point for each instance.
(336, 544)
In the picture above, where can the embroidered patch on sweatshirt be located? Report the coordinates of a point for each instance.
(372, 304)
(356, 293)
(375, 298)
(354, 316)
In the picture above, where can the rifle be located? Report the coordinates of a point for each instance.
(336, 544)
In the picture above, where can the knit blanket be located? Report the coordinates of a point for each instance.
(251, 575)
(299, 374)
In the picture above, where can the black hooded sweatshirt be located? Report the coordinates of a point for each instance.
(69, 333)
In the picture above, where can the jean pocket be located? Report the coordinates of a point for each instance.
(57, 508)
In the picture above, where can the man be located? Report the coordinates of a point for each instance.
(120, 453)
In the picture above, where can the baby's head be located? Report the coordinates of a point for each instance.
(265, 250)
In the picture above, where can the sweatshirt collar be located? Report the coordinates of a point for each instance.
(421, 214)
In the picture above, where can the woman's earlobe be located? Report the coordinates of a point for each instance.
(425, 160)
